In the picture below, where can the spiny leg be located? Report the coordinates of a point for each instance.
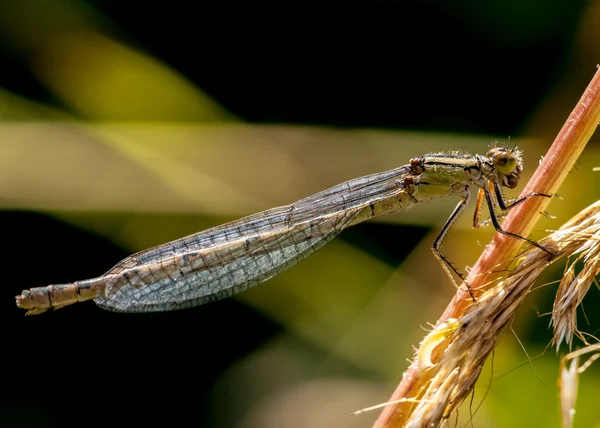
(494, 217)
(446, 265)
(502, 202)
(477, 211)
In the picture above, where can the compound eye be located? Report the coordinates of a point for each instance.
(504, 162)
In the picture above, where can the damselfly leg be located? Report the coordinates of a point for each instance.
(484, 193)
(446, 265)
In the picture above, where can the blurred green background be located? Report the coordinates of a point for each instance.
(127, 124)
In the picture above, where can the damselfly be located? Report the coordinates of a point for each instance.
(233, 257)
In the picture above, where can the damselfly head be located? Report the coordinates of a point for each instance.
(508, 164)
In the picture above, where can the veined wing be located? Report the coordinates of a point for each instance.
(230, 258)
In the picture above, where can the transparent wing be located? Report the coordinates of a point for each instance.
(198, 286)
(228, 259)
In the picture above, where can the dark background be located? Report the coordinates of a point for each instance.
(461, 67)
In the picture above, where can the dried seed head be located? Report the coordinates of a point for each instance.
(444, 383)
